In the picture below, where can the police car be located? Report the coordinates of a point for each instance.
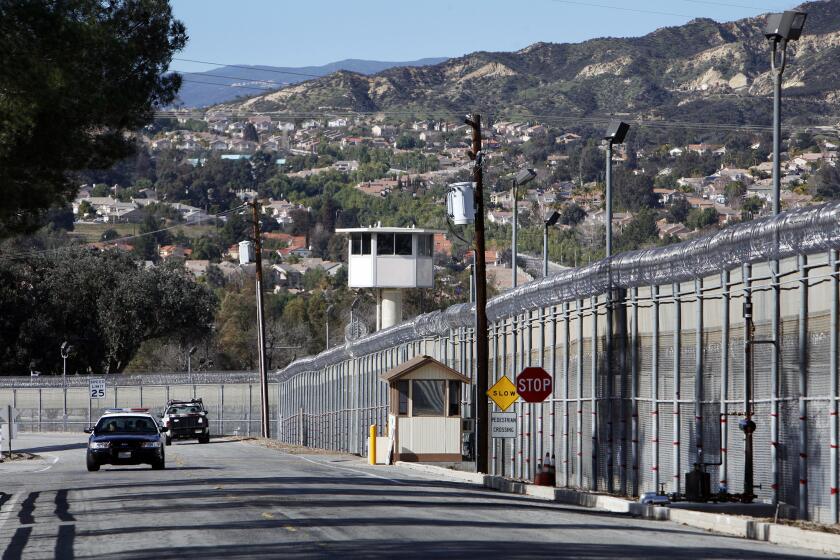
(126, 436)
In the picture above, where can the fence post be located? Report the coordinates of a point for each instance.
(248, 414)
(698, 372)
(580, 396)
(677, 346)
(634, 392)
(832, 373)
(566, 340)
(724, 380)
(803, 387)
(594, 395)
(654, 388)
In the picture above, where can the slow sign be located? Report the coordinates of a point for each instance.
(534, 384)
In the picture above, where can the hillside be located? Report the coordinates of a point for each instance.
(703, 70)
(229, 82)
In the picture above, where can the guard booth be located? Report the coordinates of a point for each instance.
(425, 411)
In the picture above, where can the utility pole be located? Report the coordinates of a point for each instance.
(482, 409)
(264, 424)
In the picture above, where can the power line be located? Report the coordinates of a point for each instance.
(623, 9)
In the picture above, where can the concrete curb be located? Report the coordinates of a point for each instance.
(733, 525)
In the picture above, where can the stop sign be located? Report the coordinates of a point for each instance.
(534, 384)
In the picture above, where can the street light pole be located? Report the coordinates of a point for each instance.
(615, 135)
(781, 28)
(547, 223)
(518, 180)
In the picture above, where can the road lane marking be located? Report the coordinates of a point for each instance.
(290, 529)
(48, 467)
(349, 469)
(267, 515)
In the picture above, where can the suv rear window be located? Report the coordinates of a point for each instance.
(184, 409)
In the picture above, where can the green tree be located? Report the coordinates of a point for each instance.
(640, 231)
(678, 210)
(76, 76)
(104, 303)
(699, 219)
(249, 133)
(572, 215)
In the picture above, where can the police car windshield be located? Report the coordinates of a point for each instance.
(126, 425)
(184, 409)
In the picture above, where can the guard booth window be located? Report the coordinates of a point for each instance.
(384, 243)
(402, 244)
(425, 245)
(428, 397)
(402, 388)
(360, 244)
(454, 398)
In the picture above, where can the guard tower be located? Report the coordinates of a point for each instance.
(390, 259)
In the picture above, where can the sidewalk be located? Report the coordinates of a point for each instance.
(734, 525)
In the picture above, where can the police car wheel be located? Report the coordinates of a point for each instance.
(92, 465)
(168, 440)
(204, 439)
(159, 465)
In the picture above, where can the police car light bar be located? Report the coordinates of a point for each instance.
(110, 410)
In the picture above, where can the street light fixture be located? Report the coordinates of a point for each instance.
(66, 349)
(548, 223)
(780, 29)
(523, 176)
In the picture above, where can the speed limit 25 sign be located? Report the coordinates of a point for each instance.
(97, 388)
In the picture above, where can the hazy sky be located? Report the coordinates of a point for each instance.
(314, 32)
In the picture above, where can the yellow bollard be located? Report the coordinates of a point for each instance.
(372, 445)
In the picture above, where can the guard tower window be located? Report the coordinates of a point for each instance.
(360, 244)
(454, 398)
(402, 244)
(384, 243)
(428, 397)
(425, 245)
(402, 388)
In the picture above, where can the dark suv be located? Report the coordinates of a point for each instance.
(186, 420)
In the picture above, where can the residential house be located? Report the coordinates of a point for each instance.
(339, 122)
(285, 126)
(346, 166)
(383, 131)
(567, 138)
(500, 217)
(198, 268)
(218, 145)
(665, 195)
(676, 152)
(177, 252)
(380, 187)
(162, 144)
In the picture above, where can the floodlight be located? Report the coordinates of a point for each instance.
(553, 218)
(786, 26)
(193, 349)
(524, 176)
(616, 132)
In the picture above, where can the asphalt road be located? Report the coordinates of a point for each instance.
(239, 500)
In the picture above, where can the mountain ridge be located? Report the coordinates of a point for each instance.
(705, 69)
